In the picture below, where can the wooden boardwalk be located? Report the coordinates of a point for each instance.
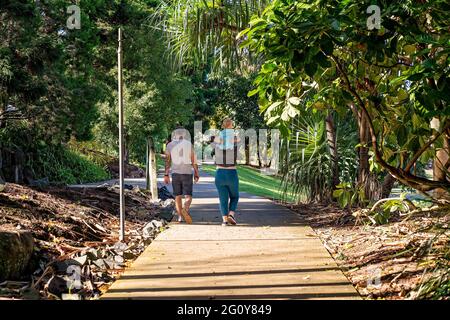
(271, 254)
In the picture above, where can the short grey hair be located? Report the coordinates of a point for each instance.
(180, 133)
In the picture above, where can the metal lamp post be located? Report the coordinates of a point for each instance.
(121, 151)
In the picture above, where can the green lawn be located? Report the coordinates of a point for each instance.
(253, 181)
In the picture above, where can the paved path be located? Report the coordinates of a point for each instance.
(271, 254)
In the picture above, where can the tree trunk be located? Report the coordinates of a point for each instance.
(441, 162)
(126, 153)
(441, 165)
(332, 146)
(153, 172)
(366, 179)
(387, 185)
(247, 150)
(363, 169)
(2, 178)
(147, 166)
(258, 156)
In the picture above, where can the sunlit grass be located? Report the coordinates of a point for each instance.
(254, 182)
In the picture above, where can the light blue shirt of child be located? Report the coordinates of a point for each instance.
(227, 139)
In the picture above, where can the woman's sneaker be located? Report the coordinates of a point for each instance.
(231, 220)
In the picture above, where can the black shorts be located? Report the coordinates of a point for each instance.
(182, 184)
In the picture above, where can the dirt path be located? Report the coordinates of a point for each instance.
(270, 255)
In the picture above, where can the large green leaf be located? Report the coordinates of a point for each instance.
(311, 69)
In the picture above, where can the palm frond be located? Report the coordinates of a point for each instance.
(307, 169)
(201, 32)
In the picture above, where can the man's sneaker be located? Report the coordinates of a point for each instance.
(186, 216)
(225, 224)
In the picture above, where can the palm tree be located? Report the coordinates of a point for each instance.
(315, 159)
(203, 33)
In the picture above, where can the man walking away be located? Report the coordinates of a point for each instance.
(180, 159)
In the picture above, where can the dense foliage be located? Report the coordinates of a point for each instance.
(394, 80)
(232, 101)
(203, 33)
(46, 73)
(57, 83)
(360, 109)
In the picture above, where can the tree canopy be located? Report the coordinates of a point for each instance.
(394, 79)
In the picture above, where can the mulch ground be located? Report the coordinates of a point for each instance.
(78, 227)
(383, 261)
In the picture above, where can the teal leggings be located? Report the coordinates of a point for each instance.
(227, 183)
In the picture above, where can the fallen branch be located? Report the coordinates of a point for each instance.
(427, 210)
(409, 203)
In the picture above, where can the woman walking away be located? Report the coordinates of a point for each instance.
(227, 181)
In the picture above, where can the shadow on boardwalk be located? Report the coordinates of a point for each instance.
(271, 254)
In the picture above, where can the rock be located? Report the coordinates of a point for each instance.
(148, 230)
(70, 296)
(81, 260)
(129, 255)
(56, 285)
(155, 202)
(119, 259)
(62, 266)
(153, 227)
(16, 249)
(169, 203)
(147, 241)
(167, 214)
(120, 246)
(93, 254)
(157, 224)
(100, 263)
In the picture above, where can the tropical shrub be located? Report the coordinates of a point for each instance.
(307, 163)
(62, 165)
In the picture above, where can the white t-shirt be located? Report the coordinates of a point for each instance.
(180, 153)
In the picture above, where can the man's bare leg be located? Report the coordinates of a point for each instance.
(187, 202)
(185, 210)
(179, 206)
